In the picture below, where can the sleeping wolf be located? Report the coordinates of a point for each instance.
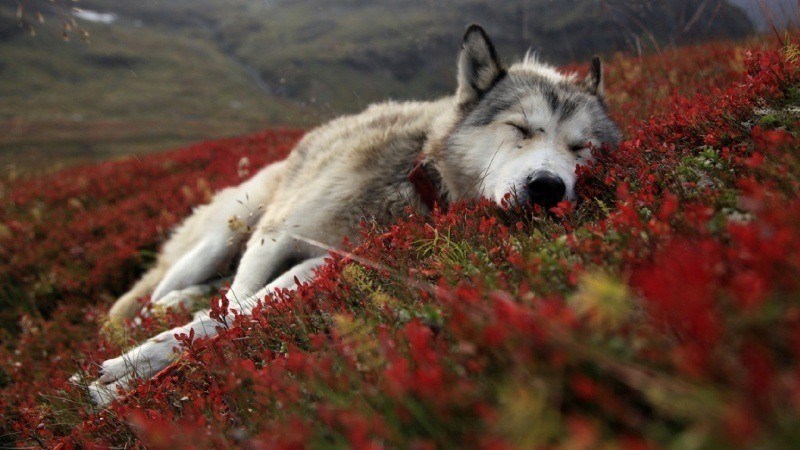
(521, 129)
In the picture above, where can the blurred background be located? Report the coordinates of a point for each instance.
(124, 77)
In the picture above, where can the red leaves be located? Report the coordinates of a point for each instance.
(679, 287)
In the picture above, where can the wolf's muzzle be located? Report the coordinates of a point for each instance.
(545, 189)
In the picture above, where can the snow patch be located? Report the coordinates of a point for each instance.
(94, 16)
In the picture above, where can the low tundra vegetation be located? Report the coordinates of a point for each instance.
(659, 311)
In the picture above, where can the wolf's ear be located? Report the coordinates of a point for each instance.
(594, 80)
(479, 68)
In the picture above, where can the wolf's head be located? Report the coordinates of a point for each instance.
(522, 129)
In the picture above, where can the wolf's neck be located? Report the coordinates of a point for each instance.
(441, 127)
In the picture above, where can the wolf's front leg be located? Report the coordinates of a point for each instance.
(158, 352)
(267, 254)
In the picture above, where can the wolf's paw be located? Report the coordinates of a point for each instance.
(183, 297)
(188, 298)
(142, 362)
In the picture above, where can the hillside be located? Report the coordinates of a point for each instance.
(132, 89)
(658, 311)
(171, 72)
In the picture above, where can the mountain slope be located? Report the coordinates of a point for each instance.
(132, 89)
(341, 55)
(165, 73)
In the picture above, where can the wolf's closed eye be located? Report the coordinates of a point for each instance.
(526, 131)
(577, 147)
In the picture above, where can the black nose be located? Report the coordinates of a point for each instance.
(546, 190)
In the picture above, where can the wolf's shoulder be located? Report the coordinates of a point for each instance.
(380, 122)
